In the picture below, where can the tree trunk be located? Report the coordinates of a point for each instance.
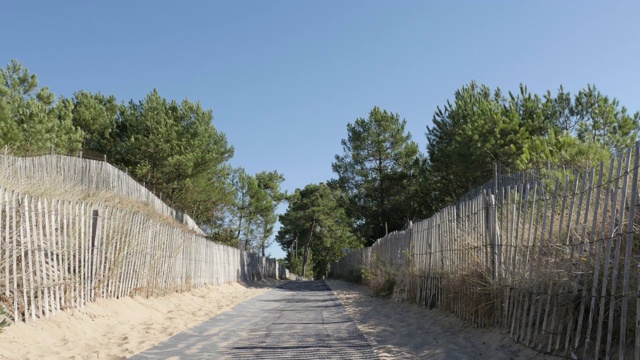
(381, 211)
(239, 226)
(295, 248)
(306, 248)
(246, 244)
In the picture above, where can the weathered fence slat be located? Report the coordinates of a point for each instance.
(546, 286)
(572, 245)
(553, 300)
(15, 231)
(610, 200)
(4, 245)
(582, 262)
(628, 238)
(594, 246)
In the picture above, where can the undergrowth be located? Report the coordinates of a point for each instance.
(4, 322)
(380, 277)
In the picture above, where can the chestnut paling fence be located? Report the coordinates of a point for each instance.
(58, 254)
(554, 261)
(87, 174)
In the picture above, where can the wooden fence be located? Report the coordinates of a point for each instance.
(57, 254)
(554, 262)
(89, 175)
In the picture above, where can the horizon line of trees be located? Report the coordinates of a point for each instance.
(383, 180)
(172, 147)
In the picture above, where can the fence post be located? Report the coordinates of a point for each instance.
(488, 213)
(492, 226)
(497, 240)
(93, 255)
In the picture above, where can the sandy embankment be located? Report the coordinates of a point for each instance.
(405, 331)
(119, 328)
(116, 329)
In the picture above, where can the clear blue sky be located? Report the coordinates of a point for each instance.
(285, 77)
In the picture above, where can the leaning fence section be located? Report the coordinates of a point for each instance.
(56, 255)
(554, 262)
(90, 175)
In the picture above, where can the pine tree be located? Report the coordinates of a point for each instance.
(375, 171)
(315, 230)
(31, 121)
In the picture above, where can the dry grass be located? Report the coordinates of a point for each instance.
(55, 188)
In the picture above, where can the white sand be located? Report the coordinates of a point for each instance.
(116, 329)
(406, 331)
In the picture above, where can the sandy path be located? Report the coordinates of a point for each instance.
(302, 320)
(405, 331)
(117, 329)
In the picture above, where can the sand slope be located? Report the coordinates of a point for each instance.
(116, 329)
(405, 331)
